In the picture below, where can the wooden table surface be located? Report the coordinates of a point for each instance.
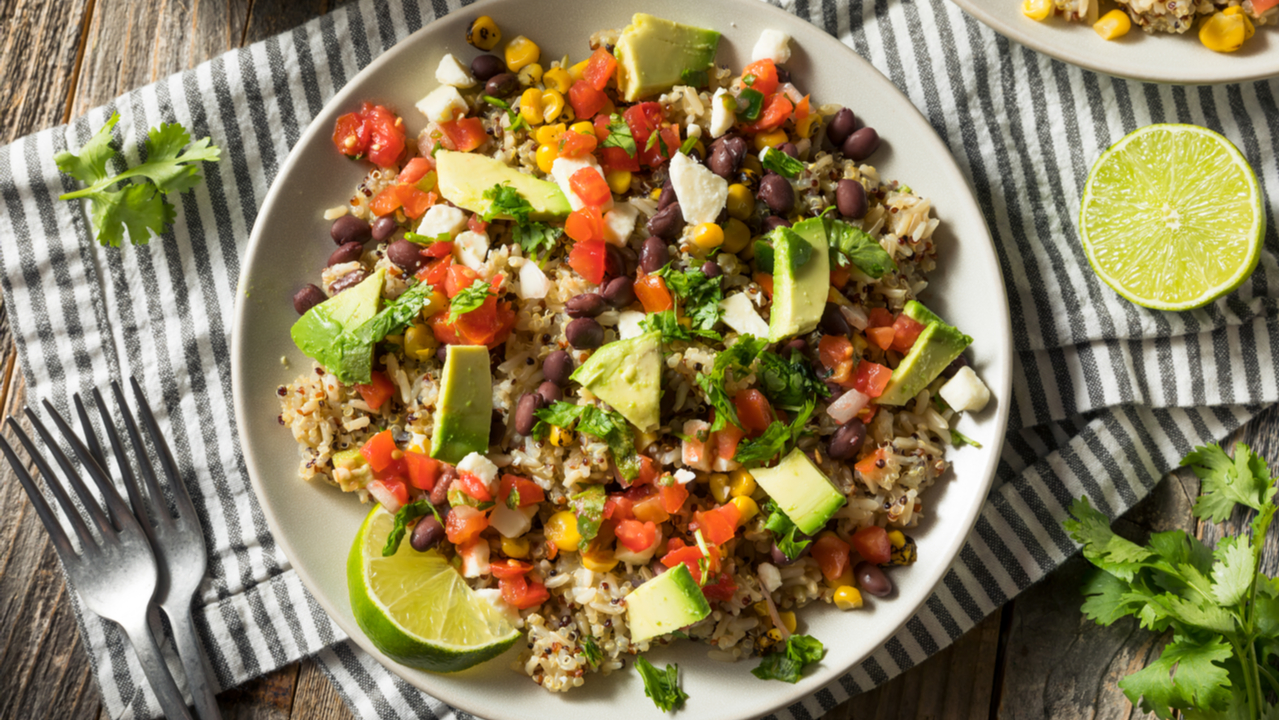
(1036, 658)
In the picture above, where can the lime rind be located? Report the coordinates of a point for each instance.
(1171, 217)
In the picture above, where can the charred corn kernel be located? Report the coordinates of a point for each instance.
(719, 486)
(747, 508)
(560, 437)
(583, 128)
(741, 483)
(847, 597)
(552, 105)
(788, 620)
(741, 203)
(772, 139)
(531, 106)
(903, 554)
(708, 236)
(1223, 33)
(546, 156)
(765, 642)
(736, 236)
(530, 74)
(515, 547)
(752, 163)
(521, 51)
(549, 134)
(562, 530)
(1248, 24)
(557, 79)
(845, 578)
(1037, 9)
(484, 33)
(599, 561)
(418, 341)
(896, 538)
(576, 71)
(699, 149)
(567, 115)
(774, 634)
(1113, 25)
(619, 180)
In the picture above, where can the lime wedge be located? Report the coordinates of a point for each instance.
(1172, 217)
(416, 608)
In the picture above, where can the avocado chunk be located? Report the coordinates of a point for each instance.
(801, 491)
(464, 177)
(627, 374)
(465, 408)
(654, 55)
(935, 348)
(316, 333)
(665, 604)
(799, 293)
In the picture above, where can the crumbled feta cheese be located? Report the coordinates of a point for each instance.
(723, 113)
(441, 219)
(482, 468)
(741, 315)
(683, 476)
(770, 576)
(472, 248)
(564, 168)
(451, 71)
(619, 222)
(773, 45)
(629, 324)
(533, 282)
(475, 558)
(965, 392)
(509, 523)
(700, 192)
(440, 104)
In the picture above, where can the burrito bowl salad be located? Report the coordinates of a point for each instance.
(1221, 25)
(625, 349)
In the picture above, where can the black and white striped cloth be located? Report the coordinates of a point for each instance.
(1107, 396)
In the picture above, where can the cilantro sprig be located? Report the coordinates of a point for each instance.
(853, 245)
(469, 299)
(699, 294)
(737, 358)
(138, 204)
(672, 329)
(788, 665)
(774, 440)
(662, 686)
(620, 135)
(536, 238)
(608, 425)
(784, 531)
(406, 514)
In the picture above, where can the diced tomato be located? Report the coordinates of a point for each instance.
(1261, 6)
(659, 152)
(881, 337)
(465, 134)
(832, 555)
(528, 493)
(423, 470)
(386, 201)
(648, 471)
(586, 100)
(459, 278)
(833, 350)
(765, 281)
(509, 568)
(374, 131)
(873, 466)
(476, 224)
(414, 170)
(377, 391)
(905, 332)
(673, 495)
(350, 135)
(727, 439)
(635, 535)
(674, 544)
(777, 110)
(587, 257)
(871, 378)
(653, 294)
(765, 75)
(690, 555)
(599, 68)
(437, 250)
(615, 158)
(601, 125)
(618, 508)
(589, 185)
(651, 509)
(586, 223)
(377, 450)
(414, 201)
(872, 543)
(480, 326)
(719, 525)
(754, 411)
(839, 277)
(464, 524)
(471, 484)
(643, 118)
(879, 317)
(575, 144)
(444, 331)
(523, 593)
(395, 487)
(722, 589)
(435, 273)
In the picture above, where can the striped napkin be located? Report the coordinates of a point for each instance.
(1107, 397)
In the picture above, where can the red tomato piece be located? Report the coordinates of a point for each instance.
(414, 201)
(765, 281)
(659, 152)
(722, 589)
(653, 294)
(523, 593)
(434, 273)
(648, 471)
(872, 543)
(905, 332)
(509, 568)
(726, 441)
(881, 337)
(651, 509)
(635, 535)
(377, 391)
(839, 277)
(754, 411)
(377, 450)
(590, 187)
(586, 99)
(615, 158)
(386, 135)
(466, 134)
(586, 223)
(464, 524)
(673, 496)
(873, 466)
(444, 330)
(480, 326)
(576, 144)
(764, 74)
(777, 109)
(618, 508)
(472, 485)
(879, 317)
(459, 278)
(599, 69)
(691, 555)
(601, 125)
(833, 350)
(476, 224)
(386, 201)
(395, 487)
(832, 555)
(643, 118)
(438, 250)
(587, 257)
(871, 378)
(414, 170)
(423, 470)
(719, 525)
(527, 492)
(350, 135)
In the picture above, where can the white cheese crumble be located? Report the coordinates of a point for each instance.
(440, 104)
(773, 45)
(564, 168)
(451, 71)
(441, 219)
(619, 223)
(741, 315)
(683, 476)
(533, 282)
(629, 324)
(472, 248)
(700, 192)
(481, 467)
(723, 113)
(965, 392)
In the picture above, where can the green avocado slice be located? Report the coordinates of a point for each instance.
(627, 374)
(665, 604)
(799, 293)
(935, 348)
(464, 411)
(464, 177)
(801, 491)
(655, 54)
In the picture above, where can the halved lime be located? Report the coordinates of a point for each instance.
(416, 608)
(1172, 217)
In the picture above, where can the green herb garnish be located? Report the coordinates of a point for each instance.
(608, 425)
(850, 244)
(736, 358)
(620, 135)
(405, 515)
(699, 294)
(959, 438)
(781, 163)
(774, 440)
(588, 507)
(662, 686)
(788, 665)
(750, 102)
(784, 531)
(469, 300)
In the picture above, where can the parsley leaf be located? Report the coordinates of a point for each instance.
(506, 200)
(774, 440)
(784, 531)
(788, 665)
(788, 383)
(588, 506)
(137, 206)
(701, 294)
(1225, 482)
(608, 425)
(469, 299)
(620, 135)
(591, 651)
(738, 357)
(672, 329)
(662, 686)
(850, 244)
(781, 163)
(404, 515)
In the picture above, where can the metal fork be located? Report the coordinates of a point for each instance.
(116, 576)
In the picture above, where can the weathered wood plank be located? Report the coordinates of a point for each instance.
(316, 698)
(269, 697)
(272, 17)
(39, 52)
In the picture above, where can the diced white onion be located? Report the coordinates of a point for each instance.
(791, 92)
(509, 523)
(384, 496)
(855, 316)
(847, 406)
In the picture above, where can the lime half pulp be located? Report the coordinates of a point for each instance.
(416, 608)
(1172, 217)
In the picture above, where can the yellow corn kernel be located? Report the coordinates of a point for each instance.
(546, 155)
(530, 74)
(560, 437)
(436, 302)
(741, 483)
(741, 204)
(531, 106)
(549, 134)
(1037, 9)
(552, 105)
(719, 487)
(751, 164)
(1112, 25)
(708, 236)
(699, 149)
(567, 115)
(848, 598)
(736, 236)
(770, 139)
(521, 51)
(896, 538)
(747, 509)
(599, 561)
(576, 71)
(515, 547)
(1248, 24)
(557, 79)
(619, 180)
(845, 578)
(419, 341)
(395, 340)
(562, 530)
(583, 128)
(788, 620)
(655, 193)
(774, 634)
(484, 33)
(1223, 33)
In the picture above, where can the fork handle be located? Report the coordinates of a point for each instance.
(157, 672)
(184, 637)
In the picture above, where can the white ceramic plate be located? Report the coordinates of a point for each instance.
(1162, 57)
(315, 524)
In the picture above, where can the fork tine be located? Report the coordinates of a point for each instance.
(90, 437)
(180, 495)
(137, 497)
(119, 511)
(43, 510)
(105, 523)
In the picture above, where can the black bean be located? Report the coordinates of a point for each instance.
(619, 292)
(851, 199)
(950, 370)
(784, 75)
(726, 156)
(501, 85)
(350, 280)
(405, 254)
(384, 227)
(847, 440)
(307, 297)
(842, 126)
(795, 344)
(615, 264)
(586, 305)
(524, 421)
(711, 269)
(773, 222)
(550, 392)
(834, 390)
(654, 255)
(777, 193)
(668, 223)
(584, 334)
(872, 579)
(442, 353)
(667, 196)
(558, 367)
(778, 557)
(485, 67)
(833, 322)
(789, 148)
(630, 260)
(861, 144)
(350, 252)
(426, 534)
(440, 491)
(350, 228)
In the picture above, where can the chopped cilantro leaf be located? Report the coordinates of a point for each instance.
(406, 514)
(850, 244)
(738, 357)
(662, 686)
(469, 299)
(959, 438)
(788, 666)
(608, 425)
(620, 135)
(781, 163)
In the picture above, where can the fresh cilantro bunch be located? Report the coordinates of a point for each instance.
(788, 665)
(1222, 660)
(662, 686)
(138, 204)
(608, 425)
(536, 238)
